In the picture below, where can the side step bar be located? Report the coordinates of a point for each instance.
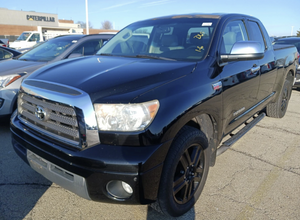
(227, 144)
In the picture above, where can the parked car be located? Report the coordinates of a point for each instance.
(4, 42)
(7, 53)
(23, 50)
(13, 71)
(29, 38)
(143, 121)
(296, 42)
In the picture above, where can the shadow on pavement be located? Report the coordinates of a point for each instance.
(154, 215)
(20, 186)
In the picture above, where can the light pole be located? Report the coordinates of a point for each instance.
(87, 17)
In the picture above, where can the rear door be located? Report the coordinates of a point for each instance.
(240, 79)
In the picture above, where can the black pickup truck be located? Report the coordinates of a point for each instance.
(142, 121)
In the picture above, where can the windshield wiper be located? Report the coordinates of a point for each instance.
(106, 54)
(153, 57)
(138, 56)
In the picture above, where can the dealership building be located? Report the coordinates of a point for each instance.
(13, 23)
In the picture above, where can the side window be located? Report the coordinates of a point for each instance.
(89, 47)
(139, 40)
(234, 31)
(35, 37)
(258, 35)
(4, 54)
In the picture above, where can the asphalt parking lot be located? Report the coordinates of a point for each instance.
(258, 178)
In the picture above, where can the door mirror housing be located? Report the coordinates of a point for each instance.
(244, 50)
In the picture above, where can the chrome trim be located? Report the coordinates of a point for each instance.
(81, 102)
(217, 85)
(255, 69)
(52, 87)
(51, 135)
(247, 47)
(238, 111)
(58, 175)
(253, 107)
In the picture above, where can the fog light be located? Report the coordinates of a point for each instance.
(127, 188)
(1, 102)
(119, 190)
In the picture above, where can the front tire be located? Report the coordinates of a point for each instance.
(184, 173)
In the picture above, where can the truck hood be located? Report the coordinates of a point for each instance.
(17, 45)
(12, 66)
(102, 76)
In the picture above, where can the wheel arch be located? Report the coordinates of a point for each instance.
(288, 73)
(209, 126)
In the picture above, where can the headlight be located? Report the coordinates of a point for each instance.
(6, 80)
(125, 117)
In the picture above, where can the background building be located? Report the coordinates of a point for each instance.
(13, 23)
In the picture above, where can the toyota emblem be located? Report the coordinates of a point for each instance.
(40, 113)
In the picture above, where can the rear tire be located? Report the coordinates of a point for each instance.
(184, 173)
(278, 108)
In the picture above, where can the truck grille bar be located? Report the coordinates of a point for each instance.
(56, 120)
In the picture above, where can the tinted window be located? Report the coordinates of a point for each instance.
(4, 54)
(257, 35)
(89, 47)
(234, 31)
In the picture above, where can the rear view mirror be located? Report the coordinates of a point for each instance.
(244, 50)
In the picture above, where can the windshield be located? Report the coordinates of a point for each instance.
(23, 36)
(185, 39)
(47, 51)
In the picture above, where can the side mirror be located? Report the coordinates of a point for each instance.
(75, 55)
(244, 50)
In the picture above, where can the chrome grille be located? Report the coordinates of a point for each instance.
(60, 123)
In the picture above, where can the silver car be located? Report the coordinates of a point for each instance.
(13, 71)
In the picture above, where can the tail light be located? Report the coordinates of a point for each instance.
(4, 45)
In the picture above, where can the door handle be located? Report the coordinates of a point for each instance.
(255, 69)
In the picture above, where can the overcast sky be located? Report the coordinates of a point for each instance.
(279, 17)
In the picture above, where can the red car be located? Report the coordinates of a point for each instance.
(4, 42)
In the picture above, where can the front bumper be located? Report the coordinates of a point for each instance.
(87, 172)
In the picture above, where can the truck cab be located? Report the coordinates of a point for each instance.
(27, 39)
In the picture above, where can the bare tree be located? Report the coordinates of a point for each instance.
(107, 25)
(83, 24)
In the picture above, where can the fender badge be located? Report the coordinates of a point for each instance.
(217, 86)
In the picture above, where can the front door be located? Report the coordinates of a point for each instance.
(240, 79)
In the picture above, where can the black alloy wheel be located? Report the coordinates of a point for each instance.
(188, 174)
(184, 173)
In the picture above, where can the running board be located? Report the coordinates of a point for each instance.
(227, 144)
